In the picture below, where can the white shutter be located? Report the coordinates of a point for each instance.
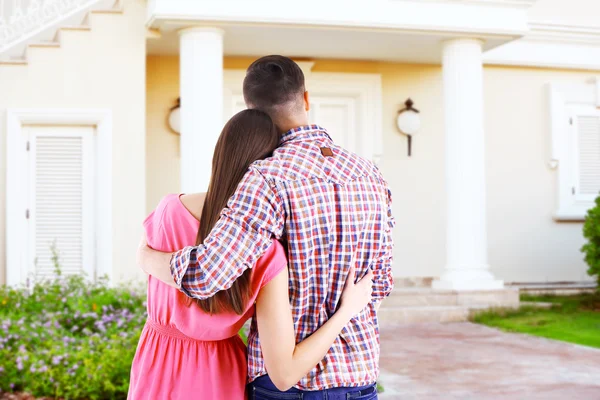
(588, 151)
(61, 199)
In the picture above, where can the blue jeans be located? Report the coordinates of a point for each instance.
(263, 389)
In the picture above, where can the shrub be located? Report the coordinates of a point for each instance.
(591, 231)
(69, 338)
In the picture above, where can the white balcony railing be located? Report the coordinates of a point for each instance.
(24, 19)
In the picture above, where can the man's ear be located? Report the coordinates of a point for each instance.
(306, 102)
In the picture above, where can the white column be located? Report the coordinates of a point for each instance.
(466, 242)
(201, 90)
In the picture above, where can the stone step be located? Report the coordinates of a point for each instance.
(423, 314)
(409, 297)
(413, 281)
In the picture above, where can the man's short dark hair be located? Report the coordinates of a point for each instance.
(273, 84)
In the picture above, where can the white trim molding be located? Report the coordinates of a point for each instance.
(495, 3)
(16, 119)
(494, 18)
(551, 45)
(561, 33)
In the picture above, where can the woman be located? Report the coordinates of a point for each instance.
(190, 349)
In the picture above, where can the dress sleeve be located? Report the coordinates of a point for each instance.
(275, 260)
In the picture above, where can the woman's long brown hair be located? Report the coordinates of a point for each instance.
(248, 136)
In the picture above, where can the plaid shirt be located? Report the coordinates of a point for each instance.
(330, 211)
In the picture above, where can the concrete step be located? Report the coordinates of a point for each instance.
(422, 314)
(413, 281)
(416, 305)
(555, 288)
(409, 297)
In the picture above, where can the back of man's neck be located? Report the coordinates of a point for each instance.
(289, 125)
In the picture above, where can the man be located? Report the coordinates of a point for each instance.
(331, 207)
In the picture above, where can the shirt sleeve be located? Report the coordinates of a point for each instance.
(383, 281)
(253, 217)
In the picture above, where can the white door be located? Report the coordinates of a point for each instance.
(338, 116)
(60, 200)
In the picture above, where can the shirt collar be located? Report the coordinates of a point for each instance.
(302, 133)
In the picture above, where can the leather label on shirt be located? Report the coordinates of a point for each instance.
(326, 151)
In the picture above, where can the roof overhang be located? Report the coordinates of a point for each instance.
(387, 30)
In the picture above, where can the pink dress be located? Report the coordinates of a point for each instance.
(184, 353)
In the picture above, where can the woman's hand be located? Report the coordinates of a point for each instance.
(356, 296)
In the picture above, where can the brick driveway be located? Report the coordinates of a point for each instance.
(468, 361)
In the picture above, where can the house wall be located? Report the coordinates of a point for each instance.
(525, 244)
(99, 69)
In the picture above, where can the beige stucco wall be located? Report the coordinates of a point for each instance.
(525, 243)
(99, 69)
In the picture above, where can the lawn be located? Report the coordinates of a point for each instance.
(574, 319)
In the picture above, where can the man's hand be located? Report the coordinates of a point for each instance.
(155, 263)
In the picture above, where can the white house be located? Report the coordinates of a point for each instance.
(502, 170)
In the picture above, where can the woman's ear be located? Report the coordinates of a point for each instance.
(306, 102)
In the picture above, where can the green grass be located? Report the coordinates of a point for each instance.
(574, 319)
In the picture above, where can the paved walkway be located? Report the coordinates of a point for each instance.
(467, 361)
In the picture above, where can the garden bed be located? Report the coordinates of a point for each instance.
(68, 338)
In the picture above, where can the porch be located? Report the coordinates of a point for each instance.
(203, 42)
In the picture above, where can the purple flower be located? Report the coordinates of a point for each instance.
(1, 369)
(32, 369)
(12, 386)
(56, 360)
(19, 365)
(43, 369)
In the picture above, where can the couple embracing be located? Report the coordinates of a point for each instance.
(294, 232)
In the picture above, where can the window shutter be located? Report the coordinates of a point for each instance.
(588, 156)
(59, 196)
